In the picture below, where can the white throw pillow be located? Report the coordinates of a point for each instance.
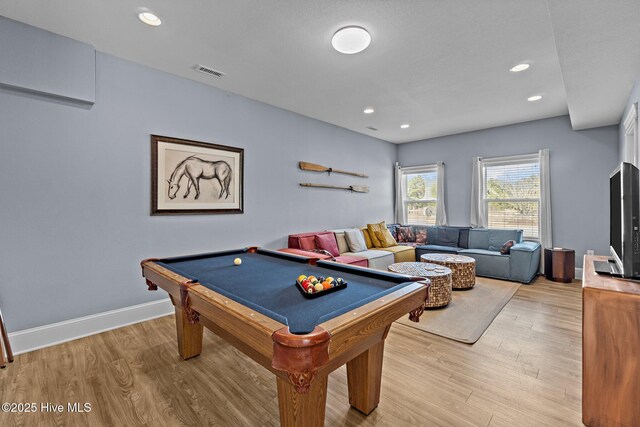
(355, 239)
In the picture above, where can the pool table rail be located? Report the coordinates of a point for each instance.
(174, 284)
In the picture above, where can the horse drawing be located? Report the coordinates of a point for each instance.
(195, 169)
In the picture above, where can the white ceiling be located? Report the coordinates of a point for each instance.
(441, 66)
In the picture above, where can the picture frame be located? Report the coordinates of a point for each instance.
(195, 178)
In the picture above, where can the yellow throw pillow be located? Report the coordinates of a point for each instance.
(385, 238)
(367, 238)
(372, 233)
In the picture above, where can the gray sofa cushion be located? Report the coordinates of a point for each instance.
(479, 239)
(432, 235)
(497, 238)
(463, 239)
(426, 249)
(448, 236)
(489, 263)
(443, 236)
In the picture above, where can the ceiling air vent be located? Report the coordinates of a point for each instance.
(208, 70)
(372, 128)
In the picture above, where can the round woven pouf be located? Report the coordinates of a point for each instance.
(463, 268)
(440, 277)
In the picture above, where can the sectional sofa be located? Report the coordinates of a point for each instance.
(320, 244)
(520, 263)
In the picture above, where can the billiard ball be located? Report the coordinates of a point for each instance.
(318, 287)
(301, 278)
(310, 290)
(237, 261)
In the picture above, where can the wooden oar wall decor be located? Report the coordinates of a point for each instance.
(352, 188)
(305, 166)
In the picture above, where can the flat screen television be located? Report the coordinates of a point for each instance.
(624, 221)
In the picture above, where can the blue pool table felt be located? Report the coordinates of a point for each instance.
(267, 283)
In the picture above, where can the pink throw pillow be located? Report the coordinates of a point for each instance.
(308, 243)
(328, 243)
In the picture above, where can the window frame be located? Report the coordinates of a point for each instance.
(416, 170)
(508, 161)
(631, 150)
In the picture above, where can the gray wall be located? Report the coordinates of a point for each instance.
(76, 181)
(38, 61)
(580, 163)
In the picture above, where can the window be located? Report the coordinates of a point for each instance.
(630, 151)
(419, 194)
(511, 193)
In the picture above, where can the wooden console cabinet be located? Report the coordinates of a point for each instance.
(610, 349)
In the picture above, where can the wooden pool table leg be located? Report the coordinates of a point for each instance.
(189, 335)
(364, 375)
(302, 410)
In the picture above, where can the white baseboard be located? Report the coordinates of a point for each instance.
(578, 273)
(57, 333)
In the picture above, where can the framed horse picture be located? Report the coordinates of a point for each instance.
(191, 177)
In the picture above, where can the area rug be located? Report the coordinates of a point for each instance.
(469, 313)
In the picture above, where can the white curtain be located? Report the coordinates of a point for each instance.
(545, 203)
(399, 208)
(477, 218)
(441, 212)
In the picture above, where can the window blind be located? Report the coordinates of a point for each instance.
(420, 194)
(512, 195)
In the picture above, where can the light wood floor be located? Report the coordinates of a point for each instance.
(524, 371)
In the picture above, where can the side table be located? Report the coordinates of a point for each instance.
(439, 276)
(463, 268)
(560, 264)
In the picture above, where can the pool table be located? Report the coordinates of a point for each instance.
(257, 307)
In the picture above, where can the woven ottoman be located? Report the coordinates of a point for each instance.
(463, 268)
(439, 276)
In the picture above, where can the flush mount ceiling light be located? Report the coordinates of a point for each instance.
(404, 126)
(149, 18)
(368, 110)
(350, 40)
(534, 98)
(519, 67)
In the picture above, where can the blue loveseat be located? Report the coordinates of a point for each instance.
(520, 265)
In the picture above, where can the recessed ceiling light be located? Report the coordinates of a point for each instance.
(534, 98)
(404, 126)
(519, 67)
(350, 40)
(149, 18)
(368, 110)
